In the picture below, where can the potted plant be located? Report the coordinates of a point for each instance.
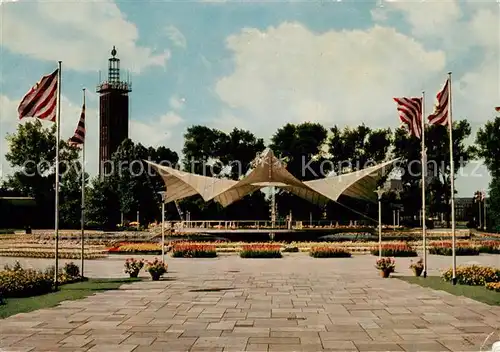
(156, 269)
(417, 267)
(386, 266)
(133, 266)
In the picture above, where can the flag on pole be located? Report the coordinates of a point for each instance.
(79, 136)
(410, 113)
(440, 116)
(41, 100)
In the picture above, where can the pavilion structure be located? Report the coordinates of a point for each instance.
(269, 171)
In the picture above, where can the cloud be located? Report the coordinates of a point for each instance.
(163, 130)
(176, 36)
(177, 103)
(427, 18)
(46, 30)
(291, 74)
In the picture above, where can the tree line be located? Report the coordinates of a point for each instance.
(324, 150)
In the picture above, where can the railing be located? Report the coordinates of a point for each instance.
(258, 224)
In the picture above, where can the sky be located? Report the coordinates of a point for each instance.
(253, 65)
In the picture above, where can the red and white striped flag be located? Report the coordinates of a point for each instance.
(442, 107)
(410, 113)
(41, 101)
(79, 136)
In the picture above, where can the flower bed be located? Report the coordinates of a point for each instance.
(329, 252)
(493, 286)
(136, 248)
(194, 250)
(395, 250)
(46, 253)
(491, 247)
(445, 248)
(473, 275)
(261, 251)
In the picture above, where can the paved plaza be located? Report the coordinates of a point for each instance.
(296, 303)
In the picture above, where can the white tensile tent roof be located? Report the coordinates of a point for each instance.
(270, 171)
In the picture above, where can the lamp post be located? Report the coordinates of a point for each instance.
(162, 226)
(380, 191)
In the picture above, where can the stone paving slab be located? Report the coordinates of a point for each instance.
(296, 303)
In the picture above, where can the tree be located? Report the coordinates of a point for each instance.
(102, 205)
(202, 149)
(488, 148)
(353, 149)
(488, 145)
(301, 147)
(32, 152)
(137, 184)
(438, 165)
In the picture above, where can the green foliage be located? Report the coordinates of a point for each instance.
(329, 252)
(473, 275)
(102, 205)
(71, 270)
(438, 161)
(354, 149)
(32, 153)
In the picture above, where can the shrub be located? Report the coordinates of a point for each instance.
(493, 286)
(395, 250)
(71, 270)
(261, 251)
(19, 282)
(193, 250)
(473, 275)
(491, 247)
(329, 252)
(386, 264)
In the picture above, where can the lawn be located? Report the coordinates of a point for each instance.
(478, 293)
(67, 292)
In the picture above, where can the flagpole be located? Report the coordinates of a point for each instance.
(83, 198)
(424, 171)
(452, 183)
(56, 210)
(484, 206)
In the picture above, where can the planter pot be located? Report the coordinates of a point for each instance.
(385, 273)
(418, 271)
(134, 274)
(155, 277)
